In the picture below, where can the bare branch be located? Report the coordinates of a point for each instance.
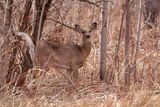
(57, 11)
(104, 0)
(93, 3)
(62, 24)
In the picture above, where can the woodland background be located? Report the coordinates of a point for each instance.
(131, 65)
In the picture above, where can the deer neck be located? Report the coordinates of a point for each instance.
(86, 48)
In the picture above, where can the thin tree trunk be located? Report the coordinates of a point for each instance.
(41, 22)
(37, 7)
(127, 36)
(25, 17)
(7, 17)
(137, 40)
(103, 50)
(37, 15)
(5, 57)
(117, 64)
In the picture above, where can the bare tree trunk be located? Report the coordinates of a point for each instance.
(7, 17)
(127, 36)
(103, 50)
(25, 17)
(117, 58)
(5, 57)
(117, 63)
(137, 40)
(39, 17)
(37, 7)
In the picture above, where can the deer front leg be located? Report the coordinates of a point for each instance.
(69, 74)
(75, 73)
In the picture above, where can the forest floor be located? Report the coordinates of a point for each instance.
(56, 91)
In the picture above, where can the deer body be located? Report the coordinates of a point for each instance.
(68, 56)
(62, 56)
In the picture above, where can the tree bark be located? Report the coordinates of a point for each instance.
(37, 15)
(5, 46)
(137, 40)
(127, 36)
(103, 51)
(25, 17)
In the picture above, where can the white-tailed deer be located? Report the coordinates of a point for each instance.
(70, 57)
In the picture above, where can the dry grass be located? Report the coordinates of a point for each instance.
(91, 96)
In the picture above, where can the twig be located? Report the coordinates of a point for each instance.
(141, 60)
(62, 24)
(104, 1)
(58, 12)
(58, 94)
(70, 81)
(63, 75)
(93, 3)
(11, 82)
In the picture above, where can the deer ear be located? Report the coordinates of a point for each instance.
(93, 26)
(78, 28)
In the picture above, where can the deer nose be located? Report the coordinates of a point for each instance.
(87, 36)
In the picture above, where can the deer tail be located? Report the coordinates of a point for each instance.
(29, 42)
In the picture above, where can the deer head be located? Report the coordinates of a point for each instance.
(86, 43)
(86, 33)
